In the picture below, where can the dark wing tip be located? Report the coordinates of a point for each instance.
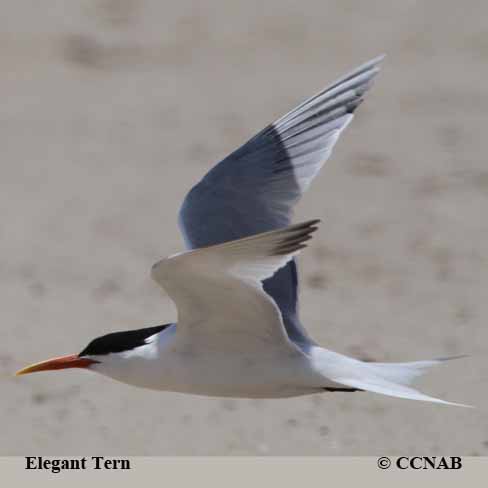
(295, 237)
(351, 107)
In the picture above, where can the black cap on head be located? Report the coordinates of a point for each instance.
(120, 341)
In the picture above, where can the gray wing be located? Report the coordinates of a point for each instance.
(255, 188)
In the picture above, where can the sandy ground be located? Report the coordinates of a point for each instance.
(112, 109)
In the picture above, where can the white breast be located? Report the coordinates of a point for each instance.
(170, 364)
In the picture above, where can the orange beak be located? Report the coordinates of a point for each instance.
(64, 362)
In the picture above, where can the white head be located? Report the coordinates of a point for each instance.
(121, 355)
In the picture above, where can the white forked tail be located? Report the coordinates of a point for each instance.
(391, 379)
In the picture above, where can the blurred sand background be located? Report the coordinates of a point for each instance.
(112, 109)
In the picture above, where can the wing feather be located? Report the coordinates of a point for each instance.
(256, 187)
(218, 289)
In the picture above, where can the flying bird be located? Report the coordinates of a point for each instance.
(236, 287)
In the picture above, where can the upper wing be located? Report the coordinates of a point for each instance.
(255, 188)
(218, 290)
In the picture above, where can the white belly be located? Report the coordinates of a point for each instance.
(214, 371)
(240, 376)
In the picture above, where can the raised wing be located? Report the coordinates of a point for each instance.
(218, 290)
(256, 187)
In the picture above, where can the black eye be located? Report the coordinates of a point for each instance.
(120, 341)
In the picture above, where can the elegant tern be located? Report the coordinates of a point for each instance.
(238, 332)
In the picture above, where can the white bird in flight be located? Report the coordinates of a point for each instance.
(238, 332)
